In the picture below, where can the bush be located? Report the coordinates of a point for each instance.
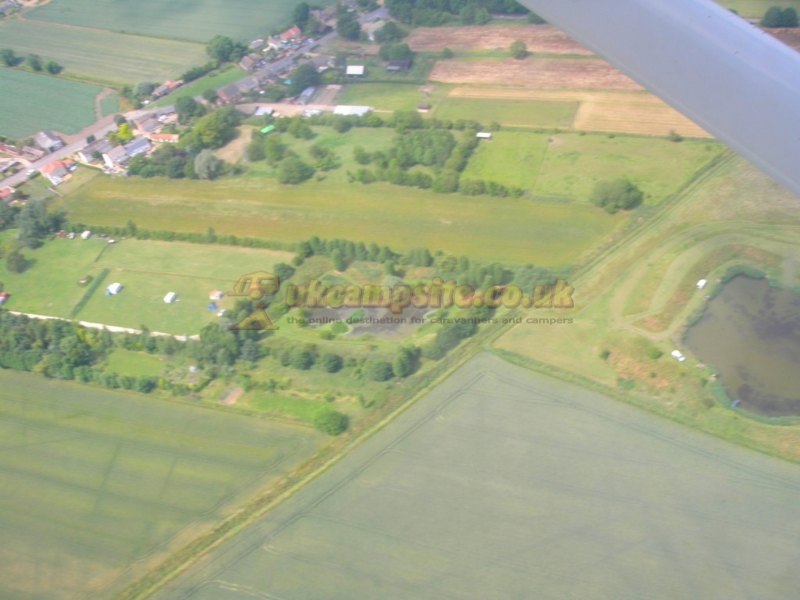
(518, 49)
(330, 421)
(654, 353)
(378, 369)
(330, 362)
(615, 195)
(302, 359)
(293, 171)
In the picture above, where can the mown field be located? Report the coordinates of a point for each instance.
(102, 56)
(389, 96)
(574, 163)
(30, 103)
(511, 157)
(100, 485)
(515, 230)
(756, 8)
(214, 80)
(198, 20)
(599, 500)
(148, 270)
(512, 113)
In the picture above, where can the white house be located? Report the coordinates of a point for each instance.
(347, 110)
(170, 298)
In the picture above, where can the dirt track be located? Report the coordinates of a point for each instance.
(538, 38)
(541, 73)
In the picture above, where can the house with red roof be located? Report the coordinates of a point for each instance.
(57, 171)
(291, 34)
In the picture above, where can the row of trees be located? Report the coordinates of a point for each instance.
(780, 17)
(33, 61)
(438, 12)
(403, 364)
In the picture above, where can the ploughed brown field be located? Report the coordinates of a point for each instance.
(538, 38)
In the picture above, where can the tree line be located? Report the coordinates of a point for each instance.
(432, 13)
(33, 61)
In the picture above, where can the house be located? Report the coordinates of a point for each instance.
(166, 87)
(100, 146)
(163, 113)
(170, 297)
(251, 62)
(114, 288)
(305, 96)
(255, 44)
(147, 124)
(291, 34)
(116, 157)
(4, 297)
(248, 84)
(31, 153)
(345, 110)
(49, 141)
(163, 138)
(355, 71)
(264, 110)
(230, 93)
(137, 146)
(395, 66)
(57, 171)
(7, 193)
(483, 135)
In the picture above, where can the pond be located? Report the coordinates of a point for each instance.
(751, 334)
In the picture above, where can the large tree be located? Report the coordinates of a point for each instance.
(224, 49)
(293, 171)
(348, 26)
(301, 14)
(615, 195)
(207, 165)
(304, 76)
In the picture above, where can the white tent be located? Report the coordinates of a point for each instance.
(114, 288)
(170, 298)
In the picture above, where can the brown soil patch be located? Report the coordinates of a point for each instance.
(233, 396)
(543, 73)
(538, 38)
(617, 111)
(790, 37)
(234, 150)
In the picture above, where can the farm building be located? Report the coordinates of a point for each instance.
(230, 93)
(170, 297)
(49, 141)
(114, 288)
(116, 157)
(483, 135)
(251, 62)
(57, 171)
(8, 7)
(31, 153)
(355, 70)
(137, 146)
(166, 87)
(264, 110)
(395, 66)
(100, 146)
(146, 124)
(347, 110)
(305, 96)
(291, 34)
(163, 138)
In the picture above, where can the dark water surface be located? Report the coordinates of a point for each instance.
(751, 333)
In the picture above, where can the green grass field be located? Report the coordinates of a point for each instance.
(30, 103)
(198, 20)
(99, 485)
(134, 364)
(501, 481)
(574, 164)
(102, 56)
(510, 157)
(110, 104)
(756, 8)
(516, 230)
(148, 270)
(511, 113)
(389, 96)
(213, 80)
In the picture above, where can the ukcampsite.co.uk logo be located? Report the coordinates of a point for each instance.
(437, 294)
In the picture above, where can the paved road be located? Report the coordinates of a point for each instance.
(102, 127)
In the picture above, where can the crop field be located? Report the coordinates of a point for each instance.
(756, 8)
(102, 56)
(511, 113)
(148, 270)
(622, 112)
(514, 230)
(599, 500)
(542, 73)
(197, 20)
(544, 39)
(574, 163)
(30, 103)
(99, 486)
